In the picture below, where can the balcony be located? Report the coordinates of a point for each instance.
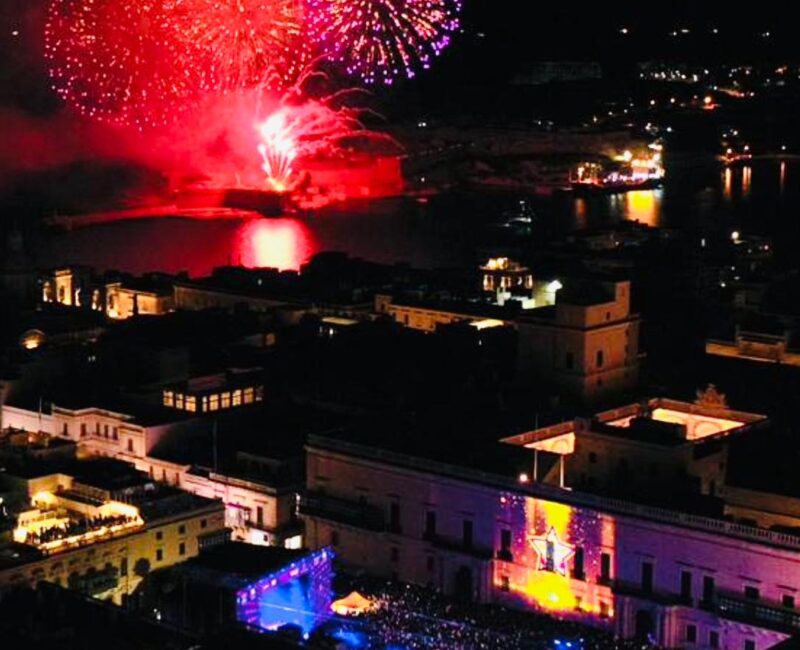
(755, 612)
(342, 511)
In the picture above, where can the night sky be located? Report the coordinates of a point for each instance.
(501, 38)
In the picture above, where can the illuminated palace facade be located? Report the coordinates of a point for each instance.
(677, 579)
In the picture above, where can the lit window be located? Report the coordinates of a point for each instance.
(191, 403)
(225, 403)
(169, 398)
(204, 404)
(259, 393)
(179, 401)
(248, 395)
(237, 397)
(213, 402)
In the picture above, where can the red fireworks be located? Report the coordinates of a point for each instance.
(141, 62)
(246, 43)
(380, 40)
(115, 60)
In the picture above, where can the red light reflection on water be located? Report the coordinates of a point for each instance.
(282, 244)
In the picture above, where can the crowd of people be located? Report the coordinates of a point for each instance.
(76, 527)
(413, 618)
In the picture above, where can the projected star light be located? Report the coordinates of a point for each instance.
(553, 553)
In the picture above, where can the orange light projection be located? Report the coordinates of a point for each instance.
(555, 558)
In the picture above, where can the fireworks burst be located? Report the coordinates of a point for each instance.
(278, 149)
(301, 129)
(246, 43)
(379, 40)
(116, 59)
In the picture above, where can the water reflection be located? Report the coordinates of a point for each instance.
(727, 184)
(747, 180)
(283, 244)
(783, 176)
(644, 206)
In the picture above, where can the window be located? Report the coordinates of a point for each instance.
(259, 393)
(713, 639)
(751, 593)
(159, 555)
(505, 544)
(182, 529)
(182, 548)
(430, 524)
(130, 445)
(105, 431)
(160, 534)
(204, 404)
(394, 517)
(788, 601)
(259, 515)
(248, 395)
(569, 361)
(213, 402)
(83, 430)
(65, 429)
(191, 403)
(237, 397)
(647, 577)
(203, 523)
(115, 433)
(179, 401)
(600, 358)
(577, 564)
(505, 583)
(604, 609)
(466, 536)
(686, 585)
(691, 633)
(749, 644)
(605, 567)
(225, 401)
(708, 589)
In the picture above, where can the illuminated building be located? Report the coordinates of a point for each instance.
(487, 522)
(579, 336)
(759, 346)
(587, 344)
(117, 298)
(100, 527)
(428, 315)
(133, 298)
(503, 273)
(218, 392)
(257, 481)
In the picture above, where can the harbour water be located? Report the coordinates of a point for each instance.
(761, 197)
